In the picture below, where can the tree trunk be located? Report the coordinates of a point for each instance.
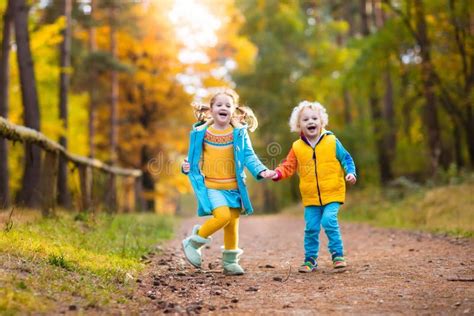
(29, 194)
(114, 88)
(364, 19)
(469, 128)
(113, 101)
(384, 163)
(430, 113)
(389, 132)
(93, 82)
(349, 17)
(457, 138)
(148, 183)
(406, 104)
(378, 17)
(64, 197)
(4, 84)
(379, 131)
(463, 30)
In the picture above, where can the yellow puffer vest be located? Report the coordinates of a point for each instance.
(321, 174)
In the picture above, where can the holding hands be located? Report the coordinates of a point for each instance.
(268, 174)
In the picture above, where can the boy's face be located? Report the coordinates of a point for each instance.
(222, 109)
(310, 123)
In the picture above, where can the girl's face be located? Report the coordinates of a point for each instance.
(222, 109)
(310, 123)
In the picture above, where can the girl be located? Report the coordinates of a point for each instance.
(219, 150)
(321, 161)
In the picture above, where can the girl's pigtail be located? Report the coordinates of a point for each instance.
(201, 111)
(245, 115)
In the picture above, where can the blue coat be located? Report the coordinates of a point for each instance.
(244, 156)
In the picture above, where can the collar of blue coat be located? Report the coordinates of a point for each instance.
(323, 133)
(202, 125)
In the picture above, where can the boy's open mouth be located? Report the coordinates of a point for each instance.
(311, 128)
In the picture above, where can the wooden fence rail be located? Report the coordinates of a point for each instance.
(49, 168)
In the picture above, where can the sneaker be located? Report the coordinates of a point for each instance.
(339, 262)
(310, 265)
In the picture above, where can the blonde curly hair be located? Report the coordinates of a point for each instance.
(241, 115)
(296, 113)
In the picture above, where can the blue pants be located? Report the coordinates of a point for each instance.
(325, 216)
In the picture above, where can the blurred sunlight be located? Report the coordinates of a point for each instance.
(196, 27)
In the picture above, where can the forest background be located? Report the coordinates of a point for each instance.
(395, 76)
(113, 80)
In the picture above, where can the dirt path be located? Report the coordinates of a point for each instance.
(390, 271)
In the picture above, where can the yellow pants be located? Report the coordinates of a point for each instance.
(227, 218)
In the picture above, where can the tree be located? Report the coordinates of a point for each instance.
(65, 56)
(4, 85)
(429, 81)
(91, 87)
(462, 112)
(114, 98)
(155, 108)
(382, 118)
(114, 84)
(29, 194)
(450, 89)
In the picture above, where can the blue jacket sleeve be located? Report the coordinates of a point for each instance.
(345, 159)
(251, 161)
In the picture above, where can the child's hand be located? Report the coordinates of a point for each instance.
(268, 174)
(185, 166)
(350, 178)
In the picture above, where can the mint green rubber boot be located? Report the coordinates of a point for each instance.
(230, 262)
(192, 247)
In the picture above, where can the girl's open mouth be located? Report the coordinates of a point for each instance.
(223, 115)
(311, 128)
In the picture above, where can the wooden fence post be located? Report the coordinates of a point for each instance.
(85, 165)
(111, 194)
(85, 176)
(129, 202)
(49, 174)
(139, 201)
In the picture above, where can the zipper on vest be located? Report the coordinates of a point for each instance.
(316, 173)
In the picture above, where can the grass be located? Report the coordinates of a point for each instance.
(82, 262)
(59, 261)
(446, 209)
